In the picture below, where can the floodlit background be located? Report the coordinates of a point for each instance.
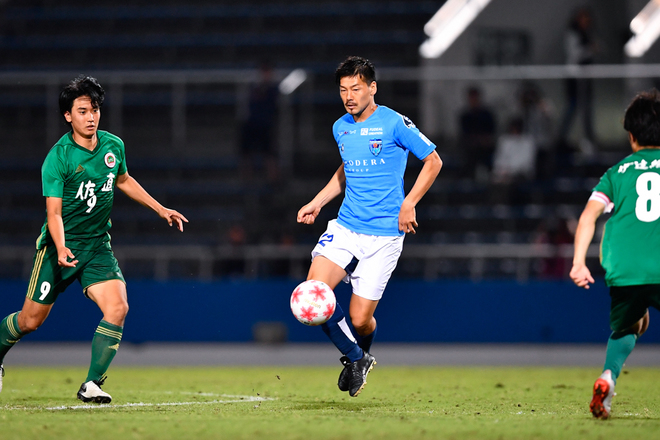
(226, 111)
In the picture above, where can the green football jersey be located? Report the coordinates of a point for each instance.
(85, 181)
(630, 249)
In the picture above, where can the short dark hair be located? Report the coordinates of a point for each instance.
(356, 66)
(642, 118)
(81, 86)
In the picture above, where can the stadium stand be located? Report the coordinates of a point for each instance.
(206, 34)
(200, 176)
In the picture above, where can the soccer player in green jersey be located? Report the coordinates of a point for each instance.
(79, 175)
(630, 247)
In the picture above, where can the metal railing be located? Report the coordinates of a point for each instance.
(293, 132)
(298, 257)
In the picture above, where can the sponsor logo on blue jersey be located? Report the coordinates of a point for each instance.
(375, 146)
(362, 163)
(371, 131)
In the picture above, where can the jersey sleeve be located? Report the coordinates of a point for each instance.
(408, 136)
(53, 174)
(335, 127)
(603, 193)
(604, 186)
(123, 168)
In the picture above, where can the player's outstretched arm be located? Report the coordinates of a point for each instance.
(426, 177)
(56, 230)
(308, 213)
(580, 273)
(134, 190)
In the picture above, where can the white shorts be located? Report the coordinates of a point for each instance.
(368, 260)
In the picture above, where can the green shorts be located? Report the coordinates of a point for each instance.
(48, 279)
(630, 303)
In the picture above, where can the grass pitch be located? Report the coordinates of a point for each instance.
(304, 403)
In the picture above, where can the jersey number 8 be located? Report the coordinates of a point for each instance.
(647, 207)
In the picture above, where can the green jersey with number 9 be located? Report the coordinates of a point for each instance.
(630, 249)
(85, 182)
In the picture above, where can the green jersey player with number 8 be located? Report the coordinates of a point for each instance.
(630, 248)
(79, 176)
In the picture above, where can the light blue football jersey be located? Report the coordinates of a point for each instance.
(375, 154)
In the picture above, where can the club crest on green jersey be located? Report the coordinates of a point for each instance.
(110, 160)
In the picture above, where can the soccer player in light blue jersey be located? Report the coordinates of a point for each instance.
(362, 246)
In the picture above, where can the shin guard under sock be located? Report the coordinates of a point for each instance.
(365, 341)
(104, 347)
(10, 334)
(619, 347)
(340, 334)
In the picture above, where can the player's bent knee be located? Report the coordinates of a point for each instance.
(28, 324)
(122, 310)
(116, 313)
(362, 325)
(640, 327)
(645, 323)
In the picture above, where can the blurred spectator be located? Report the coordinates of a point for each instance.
(538, 117)
(554, 231)
(580, 48)
(258, 145)
(477, 136)
(237, 238)
(515, 154)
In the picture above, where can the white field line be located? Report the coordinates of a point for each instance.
(231, 399)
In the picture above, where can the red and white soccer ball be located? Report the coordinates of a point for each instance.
(313, 302)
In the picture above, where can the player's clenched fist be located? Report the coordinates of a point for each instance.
(581, 276)
(308, 214)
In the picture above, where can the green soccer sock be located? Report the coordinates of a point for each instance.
(9, 334)
(104, 347)
(619, 347)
